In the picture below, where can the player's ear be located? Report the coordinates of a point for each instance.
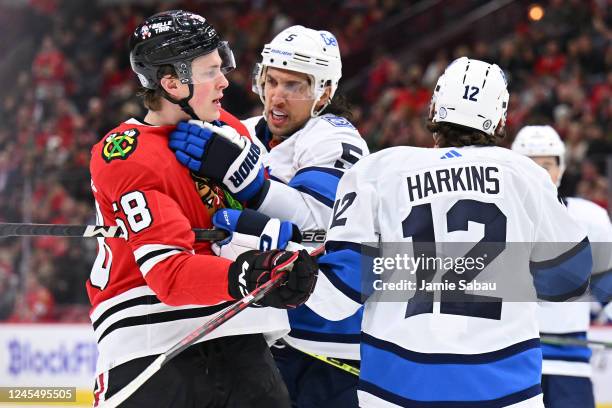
(323, 100)
(172, 86)
(436, 139)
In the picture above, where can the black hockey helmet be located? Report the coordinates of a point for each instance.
(176, 38)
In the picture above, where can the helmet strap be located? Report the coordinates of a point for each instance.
(314, 113)
(183, 103)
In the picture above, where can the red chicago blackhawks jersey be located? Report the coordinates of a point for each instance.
(155, 287)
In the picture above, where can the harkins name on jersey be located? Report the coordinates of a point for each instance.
(485, 179)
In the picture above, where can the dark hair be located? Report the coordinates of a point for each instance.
(453, 135)
(339, 106)
(151, 98)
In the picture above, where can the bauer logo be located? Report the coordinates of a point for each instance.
(281, 52)
(26, 359)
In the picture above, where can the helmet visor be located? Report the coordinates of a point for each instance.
(207, 67)
(284, 84)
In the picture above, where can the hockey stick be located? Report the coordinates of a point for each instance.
(568, 341)
(329, 360)
(105, 231)
(554, 340)
(88, 231)
(256, 295)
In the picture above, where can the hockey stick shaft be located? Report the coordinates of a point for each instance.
(88, 231)
(328, 360)
(106, 231)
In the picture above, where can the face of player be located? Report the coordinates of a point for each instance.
(288, 99)
(209, 83)
(550, 164)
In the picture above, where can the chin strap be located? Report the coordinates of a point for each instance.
(183, 103)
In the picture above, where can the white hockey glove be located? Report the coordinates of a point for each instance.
(608, 310)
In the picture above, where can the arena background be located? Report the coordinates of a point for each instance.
(67, 81)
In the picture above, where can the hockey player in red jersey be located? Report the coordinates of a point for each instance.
(151, 289)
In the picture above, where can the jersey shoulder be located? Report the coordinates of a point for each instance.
(234, 122)
(129, 152)
(518, 165)
(133, 141)
(587, 211)
(336, 121)
(391, 161)
(251, 123)
(329, 124)
(326, 133)
(328, 127)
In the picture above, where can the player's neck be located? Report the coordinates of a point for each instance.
(276, 140)
(169, 114)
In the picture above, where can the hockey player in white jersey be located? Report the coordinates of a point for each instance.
(306, 142)
(566, 370)
(429, 350)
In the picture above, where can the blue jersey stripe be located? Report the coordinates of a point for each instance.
(320, 198)
(349, 292)
(303, 320)
(335, 172)
(564, 277)
(480, 379)
(601, 286)
(326, 337)
(333, 246)
(318, 183)
(566, 352)
(444, 358)
(408, 403)
(343, 269)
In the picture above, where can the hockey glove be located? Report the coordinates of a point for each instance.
(251, 230)
(254, 268)
(220, 153)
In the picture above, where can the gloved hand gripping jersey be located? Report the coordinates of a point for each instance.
(221, 154)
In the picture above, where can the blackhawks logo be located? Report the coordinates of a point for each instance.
(120, 145)
(213, 196)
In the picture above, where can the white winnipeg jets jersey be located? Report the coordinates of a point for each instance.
(304, 172)
(311, 161)
(497, 205)
(571, 319)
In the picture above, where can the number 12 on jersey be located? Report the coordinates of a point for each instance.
(420, 226)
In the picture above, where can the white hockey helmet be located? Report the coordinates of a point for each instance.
(535, 141)
(301, 49)
(471, 93)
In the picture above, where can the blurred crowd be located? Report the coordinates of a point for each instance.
(77, 84)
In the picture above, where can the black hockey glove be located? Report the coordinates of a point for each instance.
(254, 268)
